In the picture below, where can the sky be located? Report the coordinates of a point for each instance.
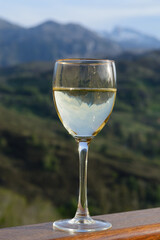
(141, 15)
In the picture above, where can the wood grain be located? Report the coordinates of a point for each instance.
(135, 225)
(149, 232)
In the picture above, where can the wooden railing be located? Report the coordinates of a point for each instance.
(135, 225)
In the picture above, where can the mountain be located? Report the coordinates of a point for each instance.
(5, 25)
(49, 41)
(131, 40)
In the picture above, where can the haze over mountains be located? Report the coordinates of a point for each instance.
(51, 40)
(131, 40)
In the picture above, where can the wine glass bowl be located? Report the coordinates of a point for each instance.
(84, 92)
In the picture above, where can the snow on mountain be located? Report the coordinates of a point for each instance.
(130, 39)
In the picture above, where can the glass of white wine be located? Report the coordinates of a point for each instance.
(84, 92)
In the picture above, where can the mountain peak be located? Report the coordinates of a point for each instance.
(119, 29)
(7, 25)
(47, 24)
(124, 33)
(132, 40)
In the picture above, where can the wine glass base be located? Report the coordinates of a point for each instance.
(70, 225)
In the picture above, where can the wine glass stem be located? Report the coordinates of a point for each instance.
(82, 210)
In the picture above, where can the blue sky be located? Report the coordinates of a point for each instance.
(142, 15)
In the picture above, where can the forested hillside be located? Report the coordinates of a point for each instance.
(39, 159)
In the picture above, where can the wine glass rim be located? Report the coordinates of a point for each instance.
(88, 61)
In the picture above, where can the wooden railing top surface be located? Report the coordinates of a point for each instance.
(134, 225)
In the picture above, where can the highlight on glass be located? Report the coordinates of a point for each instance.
(84, 92)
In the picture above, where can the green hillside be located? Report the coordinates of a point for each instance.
(39, 160)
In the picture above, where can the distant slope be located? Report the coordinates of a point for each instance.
(131, 40)
(51, 40)
(39, 159)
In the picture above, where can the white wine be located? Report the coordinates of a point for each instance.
(84, 111)
(84, 92)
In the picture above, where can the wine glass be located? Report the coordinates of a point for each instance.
(84, 92)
